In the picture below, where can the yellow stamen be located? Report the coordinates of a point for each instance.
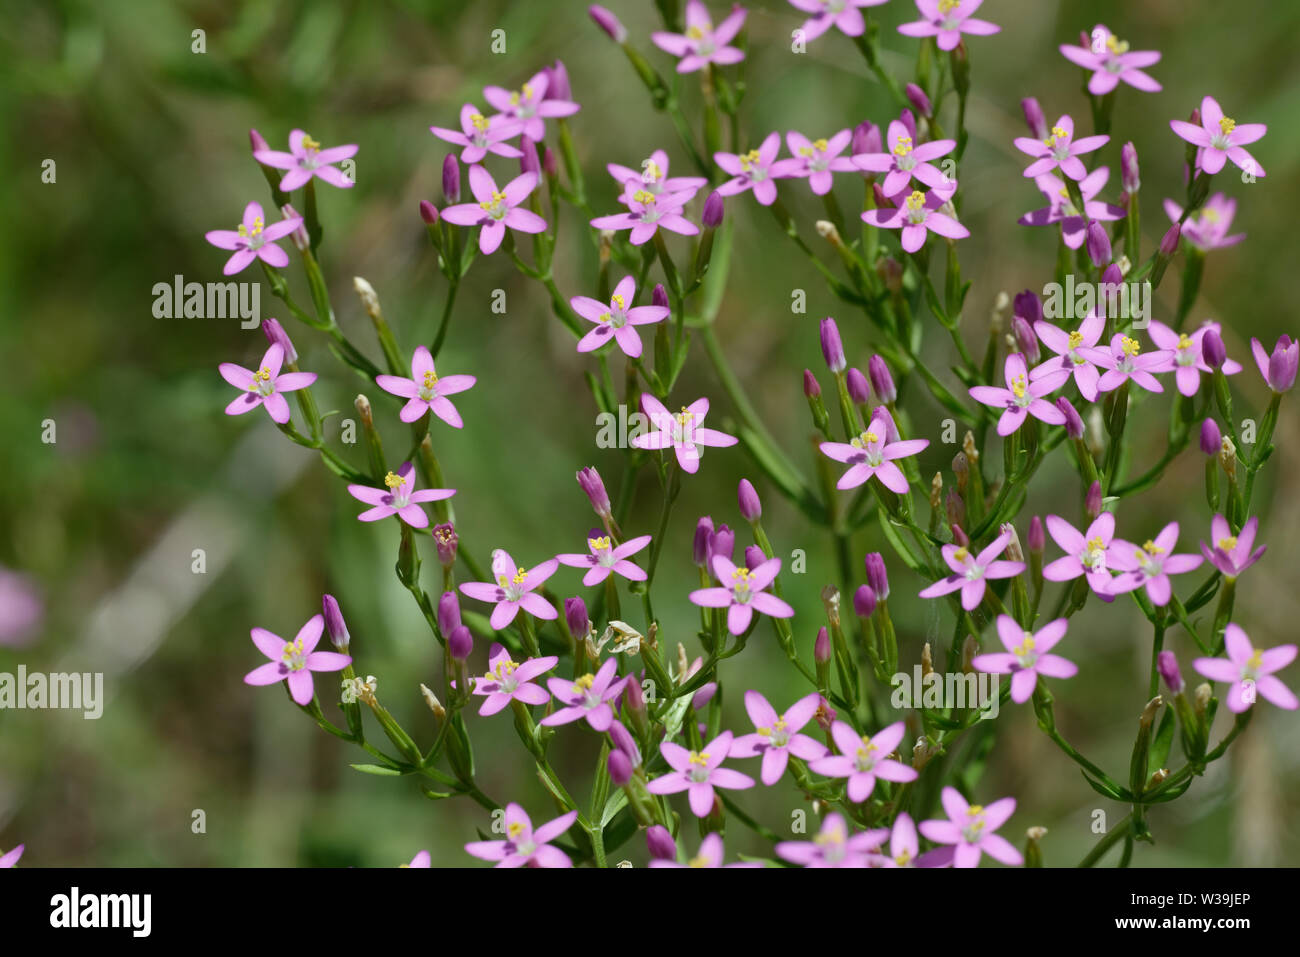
(310, 144)
(1130, 346)
(916, 200)
(1076, 339)
(741, 575)
(904, 146)
(1184, 342)
(618, 301)
(497, 199)
(583, 683)
(643, 197)
(948, 6)
(820, 145)
(961, 554)
(1256, 659)
(1115, 45)
(1019, 387)
(430, 379)
(515, 829)
(1026, 646)
(521, 576)
(1229, 543)
(1226, 125)
(393, 480)
(596, 544)
(698, 757)
(479, 122)
(749, 160)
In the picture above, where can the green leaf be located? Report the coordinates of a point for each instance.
(1163, 739)
(1114, 792)
(901, 547)
(617, 801)
(1174, 792)
(378, 770)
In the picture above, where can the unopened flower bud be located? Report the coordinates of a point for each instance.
(616, 31)
(1026, 340)
(575, 616)
(916, 96)
(460, 643)
(620, 768)
(866, 138)
(557, 88)
(301, 241)
(959, 537)
(811, 388)
(275, 333)
(590, 482)
(1128, 166)
(961, 471)
(909, 121)
(877, 577)
(1034, 118)
(754, 557)
(451, 179)
(1211, 437)
(1167, 665)
(822, 647)
(881, 380)
(722, 542)
(428, 213)
(335, 626)
(529, 162)
(1073, 421)
(1098, 244)
(660, 843)
(859, 389)
(448, 613)
(954, 508)
(1036, 540)
(700, 546)
(1092, 501)
(864, 602)
(550, 165)
(1212, 349)
(1169, 242)
(832, 346)
(825, 714)
(257, 141)
(711, 217)
(624, 742)
(750, 506)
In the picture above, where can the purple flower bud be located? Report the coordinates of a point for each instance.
(891, 428)
(1111, 279)
(811, 388)
(1026, 339)
(1169, 242)
(722, 542)
(575, 616)
(558, 86)
(711, 218)
(1211, 438)
(822, 647)
(750, 506)
(625, 743)
(1027, 306)
(916, 96)
(428, 213)
(825, 716)
(634, 697)
(460, 643)
(530, 162)
(877, 577)
(1098, 244)
(1128, 166)
(335, 626)
(610, 24)
(879, 198)
(754, 557)
(1281, 364)
(864, 602)
(1034, 118)
(703, 535)
(1036, 540)
(866, 138)
(659, 842)
(890, 271)
(448, 613)
(589, 480)
(550, 167)
(881, 380)
(659, 296)
(1073, 421)
(1167, 665)
(446, 540)
(704, 695)
(620, 768)
(859, 389)
(1212, 349)
(908, 120)
(275, 333)
(257, 141)
(1092, 501)
(299, 236)
(959, 537)
(832, 346)
(451, 179)
(954, 507)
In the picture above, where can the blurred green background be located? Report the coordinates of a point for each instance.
(150, 142)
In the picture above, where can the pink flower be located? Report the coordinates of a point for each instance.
(587, 696)
(711, 854)
(862, 759)
(1231, 554)
(1061, 209)
(1070, 359)
(527, 108)
(399, 497)
(496, 209)
(970, 829)
(265, 386)
(647, 212)
(871, 454)
(699, 772)
(604, 558)
(817, 160)
(844, 15)
(508, 681)
(10, 859)
(684, 432)
(425, 391)
(918, 215)
(1183, 354)
(482, 135)
(742, 593)
(1150, 566)
(1060, 150)
(1021, 398)
(1124, 361)
(757, 170)
(294, 661)
(421, 859)
(253, 239)
(970, 573)
(1250, 669)
(1278, 368)
(654, 179)
(524, 847)
(306, 159)
(904, 848)
(617, 319)
(1085, 553)
(514, 589)
(703, 43)
(777, 735)
(1220, 139)
(1112, 62)
(834, 846)
(1027, 656)
(1207, 228)
(948, 20)
(904, 162)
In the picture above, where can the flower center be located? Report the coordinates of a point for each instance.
(600, 547)
(430, 387)
(1116, 46)
(253, 237)
(400, 491)
(1148, 557)
(496, 206)
(479, 122)
(697, 764)
(1094, 556)
(740, 585)
(504, 675)
(778, 736)
(972, 831)
(867, 755)
(1025, 651)
(1058, 143)
(262, 383)
(292, 656)
(1228, 544)
(1020, 389)
(916, 211)
(1251, 668)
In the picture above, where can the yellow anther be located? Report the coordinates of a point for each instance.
(264, 374)
(504, 669)
(514, 829)
(698, 757)
(652, 171)
(393, 480)
(903, 146)
(1184, 342)
(961, 554)
(975, 809)
(1211, 214)
(583, 683)
(310, 144)
(902, 858)
(741, 575)
(695, 33)
(643, 197)
(820, 145)
(1130, 346)
(1076, 339)
(1025, 647)
(1019, 387)
(596, 544)
(430, 379)
(948, 6)
(479, 122)
(749, 160)
(869, 437)
(1229, 543)
(1115, 45)
(497, 199)
(763, 732)
(1256, 660)
(685, 416)
(618, 301)
(698, 861)
(916, 200)
(521, 576)
(1226, 125)
(292, 649)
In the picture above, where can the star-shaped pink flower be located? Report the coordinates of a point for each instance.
(872, 454)
(682, 432)
(496, 209)
(617, 319)
(703, 43)
(1220, 139)
(1026, 656)
(776, 736)
(1250, 670)
(294, 661)
(266, 386)
(306, 159)
(698, 773)
(515, 588)
(426, 391)
(604, 558)
(1112, 61)
(863, 758)
(482, 135)
(253, 239)
(1021, 398)
(948, 20)
(970, 572)
(1060, 150)
(905, 162)
(399, 497)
